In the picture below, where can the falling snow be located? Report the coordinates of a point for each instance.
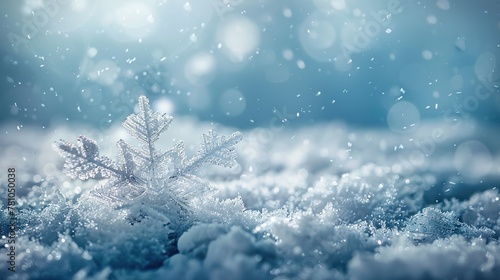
(369, 145)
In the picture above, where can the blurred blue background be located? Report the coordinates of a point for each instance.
(248, 63)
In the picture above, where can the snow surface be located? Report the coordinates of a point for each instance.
(319, 202)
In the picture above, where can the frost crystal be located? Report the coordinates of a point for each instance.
(431, 224)
(147, 174)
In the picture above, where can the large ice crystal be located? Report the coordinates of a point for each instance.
(147, 174)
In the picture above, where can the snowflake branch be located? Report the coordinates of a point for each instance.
(147, 127)
(214, 149)
(83, 160)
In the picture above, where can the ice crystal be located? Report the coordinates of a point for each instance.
(431, 224)
(147, 174)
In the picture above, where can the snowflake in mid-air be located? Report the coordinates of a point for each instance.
(146, 174)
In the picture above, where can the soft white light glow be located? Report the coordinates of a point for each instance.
(239, 35)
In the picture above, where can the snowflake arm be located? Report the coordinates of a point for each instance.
(214, 149)
(83, 160)
(146, 126)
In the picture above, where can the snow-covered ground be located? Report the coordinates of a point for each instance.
(321, 202)
(369, 144)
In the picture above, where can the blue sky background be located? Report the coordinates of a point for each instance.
(251, 62)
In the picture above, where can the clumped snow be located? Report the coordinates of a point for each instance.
(319, 202)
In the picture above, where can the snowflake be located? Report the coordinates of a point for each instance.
(147, 175)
